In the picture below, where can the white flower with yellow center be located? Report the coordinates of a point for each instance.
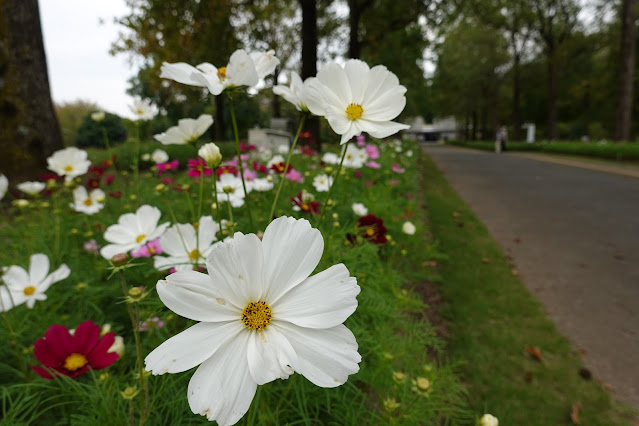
(31, 188)
(361, 99)
(28, 287)
(88, 203)
(187, 131)
(185, 248)
(359, 209)
(142, 109)
(69, 162)
(240, 71)
(230, 189)
(132, 231)
(159, 156)
(304, 95)
(261, 184)
(409, 228)
(355, 157)
(262, 317)
(322, 182)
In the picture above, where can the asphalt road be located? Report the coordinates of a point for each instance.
(578, 249)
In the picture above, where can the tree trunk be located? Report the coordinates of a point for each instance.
(553, 133)
(309, 57)
(354, 46)
(277, 110)
(516, 99)
(220, 125)
(30, 131)
(474, 125)
(626, 72)
(466, 124)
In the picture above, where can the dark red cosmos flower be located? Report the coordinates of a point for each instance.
(247, 147)
(73, 355)
(116, 194)
(306, 205)
(197, 166)
(225, 169)
(307, 150)
(372, 228)
(280, 168)
(261, 168)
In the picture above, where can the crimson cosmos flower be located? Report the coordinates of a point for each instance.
(197, 167)
(73, 354)
(305, 204)
(372, 228)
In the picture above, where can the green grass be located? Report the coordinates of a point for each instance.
(627, 152)
(492, 317)
(391, 330)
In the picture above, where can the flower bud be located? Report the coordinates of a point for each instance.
(120, 259)
(135, 292)
(98, 116)
(211, 154)
(129, 392)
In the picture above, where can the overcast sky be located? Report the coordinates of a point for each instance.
(77, 37)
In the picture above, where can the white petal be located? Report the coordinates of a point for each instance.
(222, 388)
(321, 301)
(38, 268)
(270, 356)
(210, 81)
(191, 347)
(194, 295)
(180, 263)
(235, 266)
(178, 240)
(357, 74)
(387, 107)
(241, 70)
(120, 234)
(339, 122)
(292, 250)
(381, 129)
(207, 230)
(334, 78)
(58, 275)
(10, 300)
(111, 250)
(16, 278)
(180, 72)
(326, 357)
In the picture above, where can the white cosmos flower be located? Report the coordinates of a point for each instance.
(184, 247)
(188, 130)
(159, 156)
(355, 157)
(359, 209)
(261, 184)
(265, 62)
(31, 188)
(330, 158)
(210, 152)
(98, 116)
(229, 188)
(322, 182)
(261, 318)
(488, 420)
(132, 231)
(84, 202)
(4, 185)
(409, 228)
(69, 162)
(276, 159)
(27, 287)
(361, 99)
(304, 95)
(142, 109)
(240, 71)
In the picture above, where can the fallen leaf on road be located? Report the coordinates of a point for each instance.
(517, 240)
(515, 272)
(574, 413)
(534, 351)
(486, 260)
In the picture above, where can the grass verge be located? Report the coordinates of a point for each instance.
(492, 318)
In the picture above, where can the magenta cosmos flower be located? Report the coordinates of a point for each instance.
(73, 354)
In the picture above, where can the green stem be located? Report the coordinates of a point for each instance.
(14, 338)
(239, 160)
(108, 145)
(135, 323)
(190, 203)
(288, 162)
(136, 159)
(217, 204)
(330, 189)
(231, 223)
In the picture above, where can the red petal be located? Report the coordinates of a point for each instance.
(42, 372)
(46, 353)
(99, 358)
(59, 341)
(85, 338)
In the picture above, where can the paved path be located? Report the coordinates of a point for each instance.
(578, 251)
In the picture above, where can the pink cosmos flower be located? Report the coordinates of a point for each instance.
(92, 246)
(358, 174)
(294, 175)
(149, 249)
(109, 179)
(250, 174)
(393, 182)
(397, 168)
(373, 165)
(246, 147)
(197, 167)
(372, 151)
(150, 324)
(361, 140)
(168, 166)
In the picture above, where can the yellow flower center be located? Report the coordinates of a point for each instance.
(305, 207)
(221, 73)
(75, 361)
(228, 189)
(354, 111)
(140, 237)
(140, 112)
(88, 202)
(257, 315)
(194, 254)
(68, 169)
(28, 291)
(370, 232)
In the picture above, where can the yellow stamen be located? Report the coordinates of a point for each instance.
(194, 254)
(68, 169)
(228, 189)
(140, 237)
(221, 73)
(140, 112)
(305, 207)
(370, 232)
(88, 202)
(354, 111)
(257, 315)
(75, 361)
(28, 291)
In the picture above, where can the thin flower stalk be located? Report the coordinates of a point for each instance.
(330, 189)
(288, 162)
(217, 205)
(107, 145)
(13, 334)
(134, 315)
(239, 157)
(136, 159)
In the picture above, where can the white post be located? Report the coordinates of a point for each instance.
(530, 136)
